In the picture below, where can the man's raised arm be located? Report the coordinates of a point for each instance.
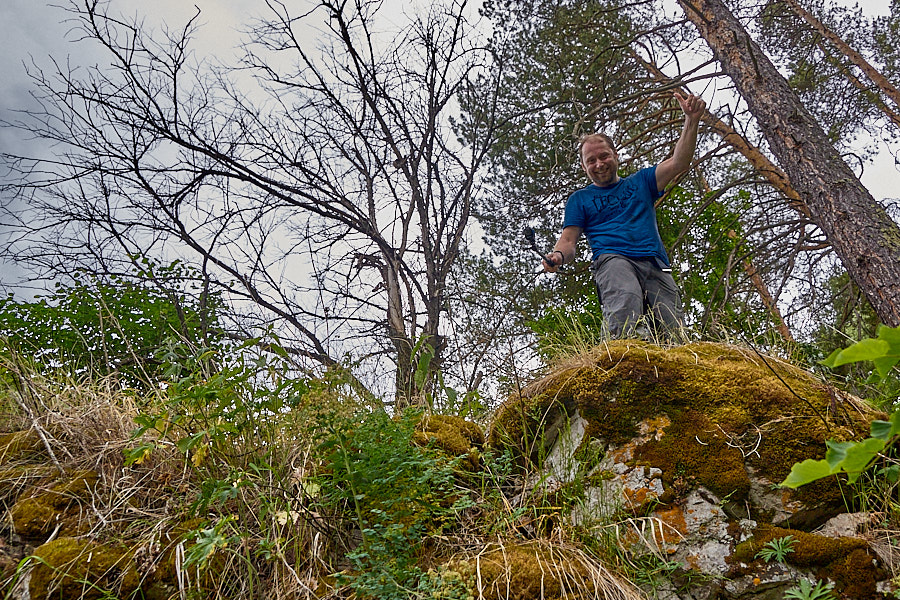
(693, 107)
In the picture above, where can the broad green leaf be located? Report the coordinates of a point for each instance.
(836, 453)
(860, 456)
(885, 430)
(806, 472)
(310, 487)
(452, 395)
(881, 430)
(891, 335)
(868, 349)
(885, 364)
(829, 360)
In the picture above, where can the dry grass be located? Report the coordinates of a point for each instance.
(85, 426)
(539, 569)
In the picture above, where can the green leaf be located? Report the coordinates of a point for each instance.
(829, 360)
(860, 456)
(885, 364)
(186, 443)
(422, 366)
(806, 472)
(882, 430)
(868, 349)
(138, 454)
(891, 335)
(891, 474)
(885, 430)
(836, 453)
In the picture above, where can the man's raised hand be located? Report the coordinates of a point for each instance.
(693, 106)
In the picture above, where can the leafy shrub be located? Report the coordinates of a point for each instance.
(855, 458)
(394, 492)
(95, 325)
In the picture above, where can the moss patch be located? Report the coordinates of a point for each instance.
(729, 409)
(534, 570)
(14, 480)
(20, 445)
(693, 446)
(845, 560)
(63, 506)
(76, 568)
(454, 435)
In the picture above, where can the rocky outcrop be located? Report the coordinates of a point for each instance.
(680, 452)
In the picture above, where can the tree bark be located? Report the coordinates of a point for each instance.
(861, 232)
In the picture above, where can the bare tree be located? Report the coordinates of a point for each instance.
(327, 194)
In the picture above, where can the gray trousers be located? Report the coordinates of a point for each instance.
(631, 289)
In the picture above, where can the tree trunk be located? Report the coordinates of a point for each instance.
(861, 232)
(886, 87)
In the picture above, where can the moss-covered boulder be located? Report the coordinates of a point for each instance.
(63, 508)
(78, 568)
(847, 562)
(538, 569)
(454, 435)
(19, 445)
(688, 442)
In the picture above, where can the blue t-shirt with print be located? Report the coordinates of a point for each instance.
(620, 218)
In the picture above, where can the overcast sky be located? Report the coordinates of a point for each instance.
(35, 28)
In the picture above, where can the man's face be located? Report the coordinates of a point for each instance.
(600, 162)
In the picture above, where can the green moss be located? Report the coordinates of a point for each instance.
(62, 507)
(535, 571)
(730, 409)
(856, 574)
(844, 560)
(14, 480)
(518, 424)
(77, 568)
(454, 435)
(810, 550)
(20, 445)
(716, 464)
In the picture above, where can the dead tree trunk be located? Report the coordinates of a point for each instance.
(861, 232)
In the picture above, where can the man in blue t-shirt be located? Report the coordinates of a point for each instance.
(618, 217)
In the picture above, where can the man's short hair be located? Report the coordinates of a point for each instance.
(595, 137)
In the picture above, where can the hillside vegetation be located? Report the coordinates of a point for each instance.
(231, 477)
